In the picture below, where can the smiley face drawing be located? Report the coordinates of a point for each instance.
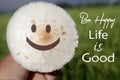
(41, 37)
(42, 47)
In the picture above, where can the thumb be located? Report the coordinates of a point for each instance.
(11, 70)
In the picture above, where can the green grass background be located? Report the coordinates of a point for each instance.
(77, 69)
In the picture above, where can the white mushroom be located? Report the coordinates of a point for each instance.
(42, 37)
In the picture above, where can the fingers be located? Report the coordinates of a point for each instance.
(51, 75)
(36, 76)
(41, 76)
(10, 69)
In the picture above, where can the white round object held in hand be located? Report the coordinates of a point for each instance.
(42, 37)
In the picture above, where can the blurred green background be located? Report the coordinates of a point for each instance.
(77, 69)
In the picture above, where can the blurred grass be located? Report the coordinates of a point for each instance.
(77, 69)
(4, 18)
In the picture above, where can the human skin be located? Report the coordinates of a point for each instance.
(10, 70)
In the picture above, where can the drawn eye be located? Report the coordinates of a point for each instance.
(48, 28)
(33, 28)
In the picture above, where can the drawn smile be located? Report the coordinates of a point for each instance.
(42, 47)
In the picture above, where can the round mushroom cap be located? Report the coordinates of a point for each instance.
(42, 37)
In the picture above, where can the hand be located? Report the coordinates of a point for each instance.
(10, 70)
